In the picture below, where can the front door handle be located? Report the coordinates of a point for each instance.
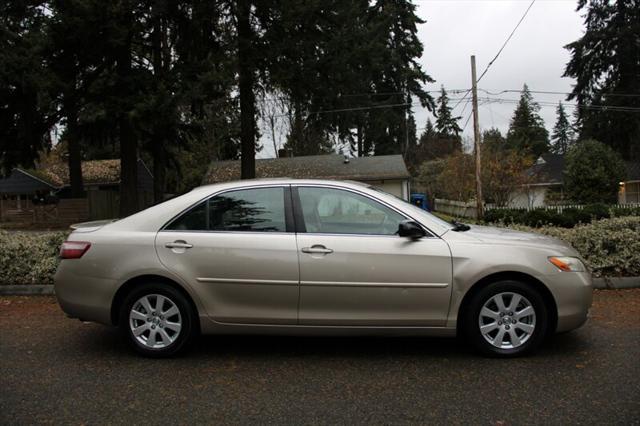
(179, 244)
(318, 248)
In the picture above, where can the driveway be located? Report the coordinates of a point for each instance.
(57, 370)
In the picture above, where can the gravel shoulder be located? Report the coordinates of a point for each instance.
(57, 370)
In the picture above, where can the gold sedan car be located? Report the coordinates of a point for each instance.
(316, 257)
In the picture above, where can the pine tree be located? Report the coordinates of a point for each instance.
(27, 111)
(428, 133)
(562, 135)
(493, 140)
(605, 62)
(527, 133)
(446, 125)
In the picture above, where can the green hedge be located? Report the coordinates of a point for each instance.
(29, 257)
(611, 247)
(569, 217)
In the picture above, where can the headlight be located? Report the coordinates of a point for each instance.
(568, 264)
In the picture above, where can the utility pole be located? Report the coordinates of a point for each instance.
(476, 139)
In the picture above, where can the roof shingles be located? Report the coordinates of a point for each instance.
(315, 167)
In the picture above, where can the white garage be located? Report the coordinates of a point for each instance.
(388, 172)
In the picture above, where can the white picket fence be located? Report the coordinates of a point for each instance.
(561, 208)
(466, 209)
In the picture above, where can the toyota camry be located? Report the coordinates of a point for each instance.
(311, 257)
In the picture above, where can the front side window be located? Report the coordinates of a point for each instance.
(334, 211)
(249, 210)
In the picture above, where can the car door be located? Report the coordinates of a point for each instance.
(238, 251)
(355, 269)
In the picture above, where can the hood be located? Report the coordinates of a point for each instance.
(505, 236)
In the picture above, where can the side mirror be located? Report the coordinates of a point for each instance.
(411, 229)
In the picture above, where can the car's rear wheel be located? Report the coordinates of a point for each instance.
(157, 320)
(506, 318)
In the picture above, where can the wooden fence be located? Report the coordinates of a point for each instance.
(66, 212)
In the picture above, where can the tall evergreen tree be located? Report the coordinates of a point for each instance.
(527, 133)
(27, 111)
(432, 145)
(605, 62)
(562, 135)
(446, 124)
(74, 56)
(356, 59)
(493, 140)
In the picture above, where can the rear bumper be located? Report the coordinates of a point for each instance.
(81, 296)
(573, 293)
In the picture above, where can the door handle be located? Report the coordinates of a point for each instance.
(318, 249)
(179, 244)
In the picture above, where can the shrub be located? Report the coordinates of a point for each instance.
(29, 257)
(611, 247)
(621, 211)
(593, 172)
(569, 217)
(597, 211)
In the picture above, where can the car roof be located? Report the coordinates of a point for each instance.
(280, 181)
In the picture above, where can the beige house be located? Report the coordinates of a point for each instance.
(387, 172)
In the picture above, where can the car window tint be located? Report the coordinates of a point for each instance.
(254, 210)
(259, 209)
(334, 211)
(193, 220)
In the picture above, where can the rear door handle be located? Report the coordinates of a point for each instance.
(318, 248)
(179, 244)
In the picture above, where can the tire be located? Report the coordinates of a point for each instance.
(162, 330)
(506, 330)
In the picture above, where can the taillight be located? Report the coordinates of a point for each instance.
(73, 249)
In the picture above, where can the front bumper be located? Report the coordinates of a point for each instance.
(573, 294)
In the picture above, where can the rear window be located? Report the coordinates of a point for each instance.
(248, 210)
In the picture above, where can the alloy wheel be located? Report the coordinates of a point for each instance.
(155, 321)
(507, 320)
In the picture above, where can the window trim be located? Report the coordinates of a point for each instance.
(286, 199)
(297, 211)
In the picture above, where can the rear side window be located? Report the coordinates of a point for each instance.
(249, 210)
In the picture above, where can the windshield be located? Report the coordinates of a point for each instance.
(418, 213)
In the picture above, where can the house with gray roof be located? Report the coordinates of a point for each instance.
(101, 179)
(547, 180)
(387, 172)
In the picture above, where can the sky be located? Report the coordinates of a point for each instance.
(456, 29)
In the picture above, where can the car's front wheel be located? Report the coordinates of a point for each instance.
(157, 320)
(506, 318)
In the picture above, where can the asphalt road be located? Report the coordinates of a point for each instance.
(56, 370)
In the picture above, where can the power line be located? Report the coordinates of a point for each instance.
(506, 41)
(548, 92)
(467, 122)
(555, 104)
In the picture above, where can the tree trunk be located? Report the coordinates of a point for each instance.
(128, 141)
(73, 149)
(245, 87)
(159, 172)
(158, 149)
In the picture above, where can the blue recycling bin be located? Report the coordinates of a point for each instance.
(420, 200)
